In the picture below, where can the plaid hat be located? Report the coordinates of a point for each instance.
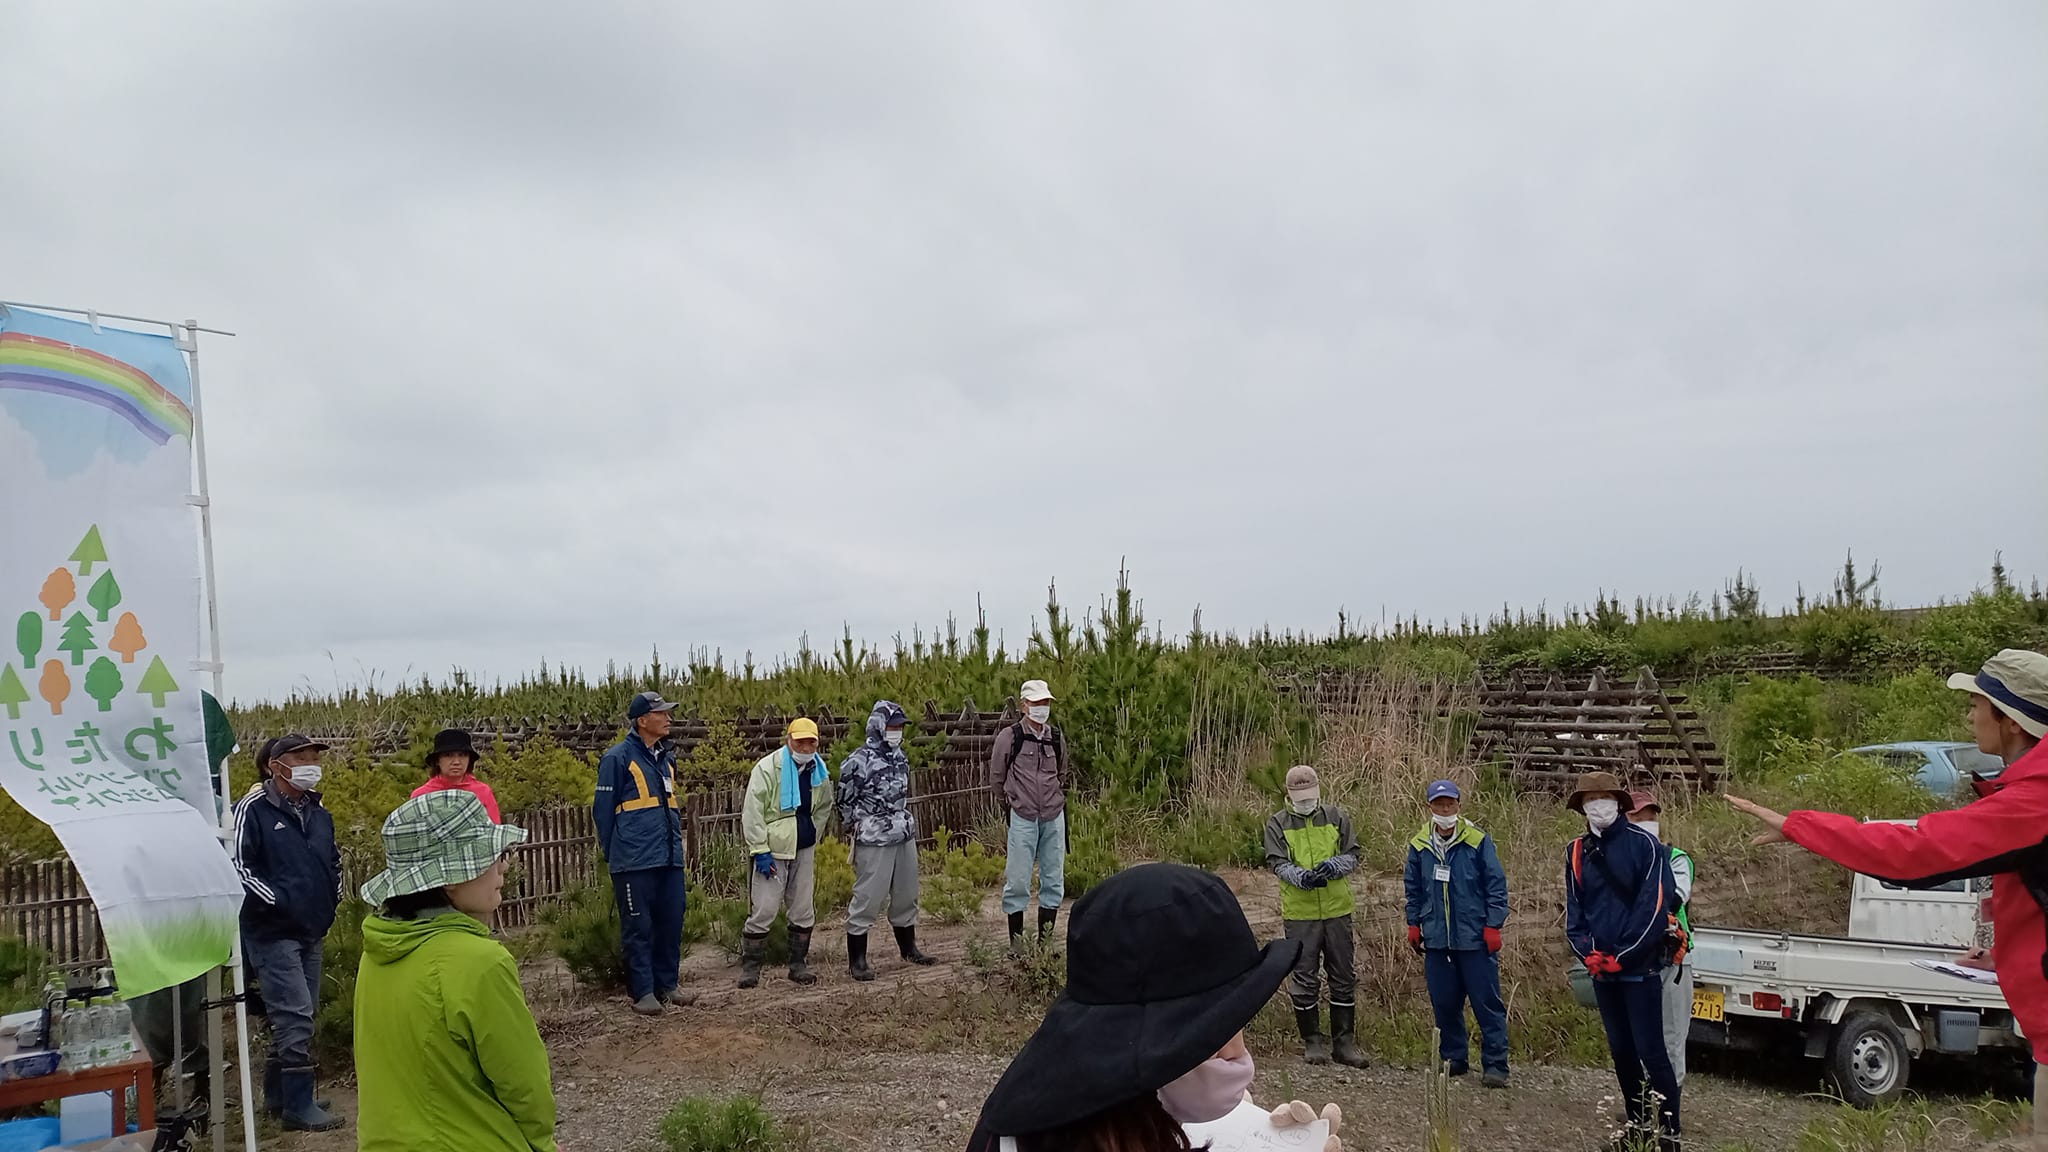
(2016, 683)
(435, 840)
(1440, 789)
(647, 702)
(1642, 798)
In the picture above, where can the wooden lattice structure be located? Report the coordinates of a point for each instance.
(1548, 730)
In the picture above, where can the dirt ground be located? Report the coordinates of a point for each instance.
(902, 1064)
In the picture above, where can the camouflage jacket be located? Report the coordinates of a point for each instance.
(874, 786)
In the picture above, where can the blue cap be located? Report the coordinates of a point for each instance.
(1443, 788)
(647, 702)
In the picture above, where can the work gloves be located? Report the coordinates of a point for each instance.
(1601, 964)
(764, 863)
(1295, 1114)
(1492, 938)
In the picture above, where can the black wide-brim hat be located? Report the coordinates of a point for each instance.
(451, 740)
(1162, 971)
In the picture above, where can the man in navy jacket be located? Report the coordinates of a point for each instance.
(1620, 916)
(640, 828)
(1457, 904)
(291, 877)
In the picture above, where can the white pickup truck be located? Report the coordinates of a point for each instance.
(1860, 1003)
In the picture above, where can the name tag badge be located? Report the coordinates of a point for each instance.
(1443, 873)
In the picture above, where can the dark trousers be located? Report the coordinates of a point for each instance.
(1325, 944)
(288, 971)
(651, 904)
(1454, 977)
(161, 1024)
(1633, 1013)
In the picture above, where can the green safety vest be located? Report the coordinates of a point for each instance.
(1685, 921)
(1307, 846)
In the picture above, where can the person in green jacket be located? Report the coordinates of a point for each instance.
(788, 790)
(1311, 847)
(447, 1054)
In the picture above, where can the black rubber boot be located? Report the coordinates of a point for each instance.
(1342, 1023)
(1016, 933)
(800, 957)
(1314, 1045)
(857, 957)
(752, 948)
(301, 1112)
(1046, 918)
(906, 943)
(273, 1090)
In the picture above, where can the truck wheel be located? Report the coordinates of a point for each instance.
(1868, 1061)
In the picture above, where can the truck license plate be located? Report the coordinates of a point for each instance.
(1709, 1004)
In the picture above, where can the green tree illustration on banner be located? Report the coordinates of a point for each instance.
(28, 637)
(90, 551)
(104, 595)
(77, 638)
(103, 683)
(156, 682)
(13, 693)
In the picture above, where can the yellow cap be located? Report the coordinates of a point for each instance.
(803, 728)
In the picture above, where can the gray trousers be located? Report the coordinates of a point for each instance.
(1324, 943)
(883, 875)
(790, 887)
(1677, 980)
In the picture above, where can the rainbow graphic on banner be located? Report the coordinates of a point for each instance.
(38, 364)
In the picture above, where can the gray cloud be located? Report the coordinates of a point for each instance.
(566, 330)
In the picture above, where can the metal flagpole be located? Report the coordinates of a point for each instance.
(188, 342)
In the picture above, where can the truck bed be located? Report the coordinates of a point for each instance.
(1805, 966)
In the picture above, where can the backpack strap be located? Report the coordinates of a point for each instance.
(1058, 742)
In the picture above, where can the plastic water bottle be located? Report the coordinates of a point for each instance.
(121, 1030)
(77, 1037)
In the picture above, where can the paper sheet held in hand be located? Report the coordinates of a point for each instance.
(1973, 975)
(1250, 1129)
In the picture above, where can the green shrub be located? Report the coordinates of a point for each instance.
(1091, 850)
(23, 968)
(726, 921)
(832, 879)
(1212, 836)
(724, 867)
(341, 956)
(1765, 711)
(542, 775)
(1824, 780)
(729, 1124)
(971, 861)
(1846, 637)
(582, 927)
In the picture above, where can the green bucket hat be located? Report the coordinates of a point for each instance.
(436, 840)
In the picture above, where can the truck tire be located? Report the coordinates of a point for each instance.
(1868, 1062)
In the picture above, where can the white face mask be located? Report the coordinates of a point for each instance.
(1602, 813)
(893, 737)
(804, 757)
(1443, 823)
(1649, 826)
(1039, 713)
(305, 777)
(1304, 805)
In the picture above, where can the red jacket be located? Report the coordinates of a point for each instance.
(2002, 834)
(471, 785)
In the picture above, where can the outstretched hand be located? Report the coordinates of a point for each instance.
(1296, 1113)
(1775, 821)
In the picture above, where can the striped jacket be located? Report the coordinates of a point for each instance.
(290, 865)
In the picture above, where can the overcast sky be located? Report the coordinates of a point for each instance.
(569, 329)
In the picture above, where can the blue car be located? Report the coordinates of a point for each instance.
(1944, 767)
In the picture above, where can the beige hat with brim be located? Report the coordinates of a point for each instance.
(2016, 683)
(1594, 783)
